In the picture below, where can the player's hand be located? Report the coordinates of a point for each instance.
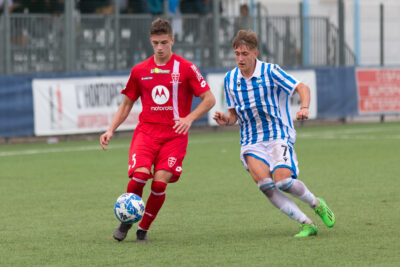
(302, 114)
(105, 139)
(221, 118)
(182, 125)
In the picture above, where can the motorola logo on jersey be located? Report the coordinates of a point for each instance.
(160, 94)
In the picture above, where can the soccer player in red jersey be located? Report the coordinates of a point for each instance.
(165, 83)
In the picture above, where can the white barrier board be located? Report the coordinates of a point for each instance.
(79, 105)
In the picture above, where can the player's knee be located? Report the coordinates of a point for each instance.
(142, 170)
(144, 176)
(285, 184)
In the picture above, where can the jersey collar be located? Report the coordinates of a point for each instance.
(166, 64)
(256, 73)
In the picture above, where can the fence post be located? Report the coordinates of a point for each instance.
(69, 35)
(216, 22)
(259, 30)
(327, 24)
(116, 33)
(7, 39)
(357, 31)
(301, 32)
(381, 42)
(382, 35)
(202, 29)
(287, 55)
(342, 56)
(306, 33)
(107, 35)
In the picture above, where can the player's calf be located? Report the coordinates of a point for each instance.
(282, 201)
(297, 189)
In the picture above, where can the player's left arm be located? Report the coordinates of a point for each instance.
(304, 93)
(207, 102)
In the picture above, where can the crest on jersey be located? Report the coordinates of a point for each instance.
(175, 77)
(171, 161)
(160, 94)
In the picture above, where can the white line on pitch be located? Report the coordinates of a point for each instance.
(97, 147)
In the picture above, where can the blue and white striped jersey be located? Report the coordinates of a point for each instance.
(262, 103)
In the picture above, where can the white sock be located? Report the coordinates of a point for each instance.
(297, 189)
(281, 201)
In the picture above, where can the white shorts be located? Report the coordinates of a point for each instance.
(275, 153)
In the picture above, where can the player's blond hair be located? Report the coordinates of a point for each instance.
(245, 37)
(161, 26)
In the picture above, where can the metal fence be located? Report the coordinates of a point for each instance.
(73, 42)
(283, 41)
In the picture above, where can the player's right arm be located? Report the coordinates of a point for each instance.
(122, 113)
(223, 119)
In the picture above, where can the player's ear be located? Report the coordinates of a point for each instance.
(172, 40)
(256, 53)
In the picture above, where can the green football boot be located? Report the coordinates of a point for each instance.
(325, 213)
(307, 230)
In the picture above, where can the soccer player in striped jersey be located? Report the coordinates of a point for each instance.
(165, 84)
(257, 94)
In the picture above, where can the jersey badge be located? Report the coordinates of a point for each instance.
(171, 161)
(259, 81)
(175, 77)
(160, 94)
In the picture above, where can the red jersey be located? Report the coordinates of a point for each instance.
(166, 91)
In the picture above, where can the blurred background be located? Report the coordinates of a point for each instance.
(96, 35)
(347, 51)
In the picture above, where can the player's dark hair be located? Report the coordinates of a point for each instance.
(161, 26)
(245, 37)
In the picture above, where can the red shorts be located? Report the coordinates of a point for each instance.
(160, 146)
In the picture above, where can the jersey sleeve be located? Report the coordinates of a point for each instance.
(196, 81)
(285, 80)
(132, 89)
(227, 92)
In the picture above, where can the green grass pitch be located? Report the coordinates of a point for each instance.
(57, 204)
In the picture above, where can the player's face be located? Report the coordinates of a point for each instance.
(162, 46)
(246, 59)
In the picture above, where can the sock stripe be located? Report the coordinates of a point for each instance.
(138, 180)
(158, 194)
(267, 189)
(287, 186)
(267, 185)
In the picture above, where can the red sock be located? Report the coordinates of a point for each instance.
(137, 183)
(154, 204)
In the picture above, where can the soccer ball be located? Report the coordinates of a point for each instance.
(129, 208)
